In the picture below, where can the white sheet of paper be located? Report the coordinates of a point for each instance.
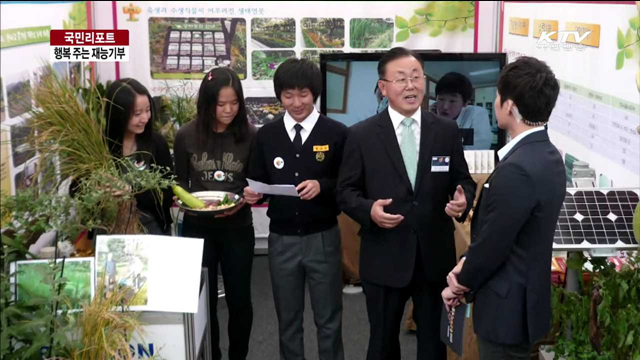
(262, 188)
(171, 274)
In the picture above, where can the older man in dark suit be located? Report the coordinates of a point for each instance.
(507, 269)
(403, 177)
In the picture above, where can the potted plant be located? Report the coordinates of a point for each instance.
(602, 319)
(44, 325)
(67, 129)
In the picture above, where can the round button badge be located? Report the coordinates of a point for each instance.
(278, 163)
(219, 175)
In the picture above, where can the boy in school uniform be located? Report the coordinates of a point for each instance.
(303, 148)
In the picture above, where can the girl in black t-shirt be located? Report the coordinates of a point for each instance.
(129, 120)
(211, 154)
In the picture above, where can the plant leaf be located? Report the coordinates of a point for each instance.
(629, 340)
(420, 11)
(430, 8)
(634, 22)
(435, 32)
(464, 28)
(402, 35)
(414, 20)
(628, 39)
(628, 53)
(620, 60)
(401, 23)
(451, 26)
(620, 39)
(415, 29)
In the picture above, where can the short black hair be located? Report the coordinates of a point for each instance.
(118, 111)
(212, 83)
(455, 83)
(298, 74)
(393, 54)
(532, 86)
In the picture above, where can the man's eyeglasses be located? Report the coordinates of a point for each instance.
(403, 82)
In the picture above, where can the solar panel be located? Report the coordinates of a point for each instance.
(596, 218)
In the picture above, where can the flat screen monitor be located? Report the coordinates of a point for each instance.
(350, 92)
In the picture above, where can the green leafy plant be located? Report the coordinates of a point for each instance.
(176, 108)
(69, 126)
(602, 320)
(42, 323)
(30, 327)
(436, 17)
(626, 41)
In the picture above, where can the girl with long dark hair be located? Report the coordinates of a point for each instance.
(129, 117)
(211, 154)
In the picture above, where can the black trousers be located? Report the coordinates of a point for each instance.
(385, 307)
(233, 250)
(492, 351)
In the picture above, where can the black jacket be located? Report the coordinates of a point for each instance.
(373, 169)
(508, 265)
(319, 160)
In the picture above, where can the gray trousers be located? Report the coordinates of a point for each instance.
(317, 260)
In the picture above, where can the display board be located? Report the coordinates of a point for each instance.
(596, 59)
(24, 54)
(177, 42)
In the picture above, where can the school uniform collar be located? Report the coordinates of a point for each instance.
(307, 124)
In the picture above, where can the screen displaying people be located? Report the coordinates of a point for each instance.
(467, 87)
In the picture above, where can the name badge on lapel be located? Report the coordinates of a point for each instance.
(440, 164)
(319, 150)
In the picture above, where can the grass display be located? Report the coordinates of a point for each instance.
(371, 33)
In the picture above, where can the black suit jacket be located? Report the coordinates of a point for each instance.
(508, 265)
(373, 168)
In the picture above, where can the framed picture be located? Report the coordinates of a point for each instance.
(33, 279)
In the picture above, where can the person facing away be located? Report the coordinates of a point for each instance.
(129, 122)
(453, 92)
(403, 178)
(507, 268)
(303, 148)
(212, 154)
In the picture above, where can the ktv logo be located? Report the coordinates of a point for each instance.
(563, 41)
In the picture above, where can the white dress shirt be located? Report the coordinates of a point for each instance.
(396, 119)
(307, 125)
(505, 149)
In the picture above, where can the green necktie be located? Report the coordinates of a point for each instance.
(409, 152)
